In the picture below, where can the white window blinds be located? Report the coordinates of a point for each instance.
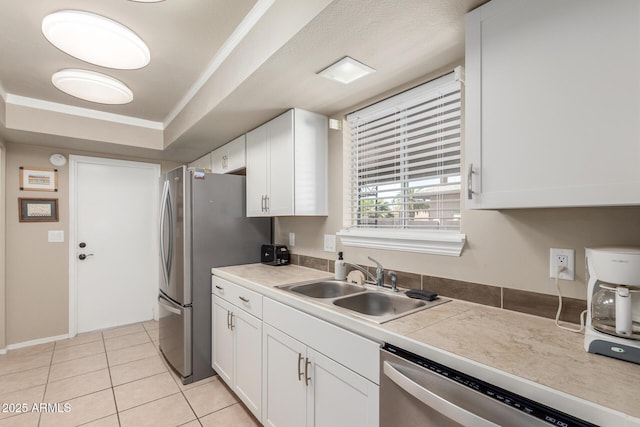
(405, 160)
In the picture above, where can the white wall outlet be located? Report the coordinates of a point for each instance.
(292, 239)
(329, 242)
(562, 258)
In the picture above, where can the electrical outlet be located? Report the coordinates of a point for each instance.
(562, 258)
(330, 242)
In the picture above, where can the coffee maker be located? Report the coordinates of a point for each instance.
(613, 302)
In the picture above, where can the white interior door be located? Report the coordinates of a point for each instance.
(114, 241)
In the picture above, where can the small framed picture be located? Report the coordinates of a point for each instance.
(38, 210)
(38, 179)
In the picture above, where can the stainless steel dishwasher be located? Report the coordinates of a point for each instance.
(415, 391)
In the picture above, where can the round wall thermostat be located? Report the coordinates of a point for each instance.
(57, 159)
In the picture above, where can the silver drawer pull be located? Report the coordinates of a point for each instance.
(243, 299)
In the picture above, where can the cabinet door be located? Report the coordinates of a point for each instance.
(341, 398)
(222, 340)
(284, 398)
(551, 117)
(236, 154)
(203, 162)
(248, 360)
(281, 185)
(257, 173)
(218, 161)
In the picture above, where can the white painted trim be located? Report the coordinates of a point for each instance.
(247, 24)
(74, 160)
(81, 112)
(427, 242)
(3, 351)
(37, 342)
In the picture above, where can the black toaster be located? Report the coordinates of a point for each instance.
(275, 255)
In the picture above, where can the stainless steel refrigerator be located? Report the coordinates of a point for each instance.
(202, 225)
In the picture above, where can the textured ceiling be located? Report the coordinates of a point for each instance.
(271, 69)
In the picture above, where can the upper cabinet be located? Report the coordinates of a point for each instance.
(203, 162)
(287, 166)
(230, 157)
(552, 101)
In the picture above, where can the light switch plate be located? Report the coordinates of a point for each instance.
(56, 236)
(329, 242)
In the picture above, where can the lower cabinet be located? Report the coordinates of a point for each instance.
(303, 387)
(236, 352)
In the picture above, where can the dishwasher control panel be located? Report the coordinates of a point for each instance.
(530, 407)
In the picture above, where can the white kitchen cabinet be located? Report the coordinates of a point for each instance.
(231, 157)
(237, 341)
(203, 162)
(552, 104)
(303, 385)
(287, 165)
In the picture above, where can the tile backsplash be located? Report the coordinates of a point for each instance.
(534, 303)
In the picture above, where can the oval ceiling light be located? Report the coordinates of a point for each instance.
(92, 86)
(95, 39)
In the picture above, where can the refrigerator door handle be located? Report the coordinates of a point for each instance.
(167, 307)
(163, 210)
(166, 216)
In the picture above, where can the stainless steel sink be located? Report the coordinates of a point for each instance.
(367, 302)
(326, 289)
(379, 304)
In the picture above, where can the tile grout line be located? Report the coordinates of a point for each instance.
(113, 391)
(46, 384)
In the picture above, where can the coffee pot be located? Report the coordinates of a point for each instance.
(613, 302)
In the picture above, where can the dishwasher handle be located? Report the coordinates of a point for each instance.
(431, 399)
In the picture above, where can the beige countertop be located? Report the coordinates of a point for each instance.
(522, 353)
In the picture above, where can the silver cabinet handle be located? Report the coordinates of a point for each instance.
(470, 182)
(266, 205)
(219, 287)
(300, 373)
(429, 398)
(231, 325)
(262, 203)
(228, 319)
(243, 299)
(307, 378)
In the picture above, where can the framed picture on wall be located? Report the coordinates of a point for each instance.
(38, 179)
(38, 210)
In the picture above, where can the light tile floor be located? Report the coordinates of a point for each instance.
(115, 377)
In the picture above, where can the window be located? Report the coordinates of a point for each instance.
(404, 170)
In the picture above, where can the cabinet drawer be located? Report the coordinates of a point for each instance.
(241, 297)
(359, 354)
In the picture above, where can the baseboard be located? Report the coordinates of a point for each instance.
(3, 351)
(34, 342)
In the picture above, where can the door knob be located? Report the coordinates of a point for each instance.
(82, 257)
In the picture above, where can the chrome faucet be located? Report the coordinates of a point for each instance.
(379, 272)
(394, 280)
(378, 279)
(370, 276)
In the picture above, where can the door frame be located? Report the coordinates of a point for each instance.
(74, 161)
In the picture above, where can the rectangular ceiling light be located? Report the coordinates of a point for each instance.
(346, 70)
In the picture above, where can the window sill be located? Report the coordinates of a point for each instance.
(426, 242)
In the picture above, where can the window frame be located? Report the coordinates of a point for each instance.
(419, 240)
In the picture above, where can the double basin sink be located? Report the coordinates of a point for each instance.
(364, 301)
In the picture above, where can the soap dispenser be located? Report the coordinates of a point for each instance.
(340, 268)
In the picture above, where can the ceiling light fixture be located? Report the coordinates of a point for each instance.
(92, 86)
(346, 70)
(95, 39)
